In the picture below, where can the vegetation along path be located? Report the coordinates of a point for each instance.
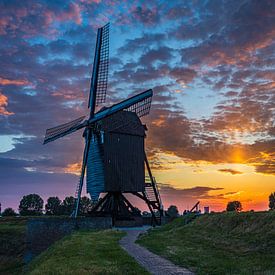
(150, 261)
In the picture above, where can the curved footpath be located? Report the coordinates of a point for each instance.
(150, 261)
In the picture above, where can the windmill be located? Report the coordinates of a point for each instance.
(114, 158)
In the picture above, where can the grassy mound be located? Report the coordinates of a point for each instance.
(86, 252)
(12, 245)
(221, 243)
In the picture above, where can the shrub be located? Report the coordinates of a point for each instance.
(8, 212)
(234, 206)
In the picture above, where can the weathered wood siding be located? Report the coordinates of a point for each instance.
(124, 162)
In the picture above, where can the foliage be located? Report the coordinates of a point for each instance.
(272, 201)
(211, 243)
(53, 206)
(87, 252)
(31, 205)
(85, 205)
(8, 212)
(172, 211)
(234, 206)
(68, 205)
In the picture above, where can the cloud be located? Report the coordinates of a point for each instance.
(183, 75)
(194, 192)
(223, 53)
(145, 15)
(187, 197)
(230, 171)
(162, 54)
(17, 82)
(36, 18)
(3, 105)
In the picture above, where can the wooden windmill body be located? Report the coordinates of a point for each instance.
(114, 158)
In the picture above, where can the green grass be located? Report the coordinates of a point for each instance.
(86, 252)
(224, 243)
(12, 245)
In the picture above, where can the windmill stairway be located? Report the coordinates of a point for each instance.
(151, 193)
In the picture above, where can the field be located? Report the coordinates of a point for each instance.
(83, 252)
(86, 252)
(222, 243)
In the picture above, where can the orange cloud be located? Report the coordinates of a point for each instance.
(73, 168)
(3, 105)
(5, 81)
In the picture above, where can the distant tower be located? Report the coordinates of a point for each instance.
(206, 209)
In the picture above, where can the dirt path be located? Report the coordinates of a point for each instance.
(150, 261)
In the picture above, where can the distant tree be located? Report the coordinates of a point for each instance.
(68, 205)
(234, 206)
(8, 212)
(53, 206)
(31, 205)
(272, 201)
(85, 205)
(172, 211)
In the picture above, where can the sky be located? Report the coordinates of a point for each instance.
(210, 64)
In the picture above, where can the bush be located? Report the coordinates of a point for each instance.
(172, 211)
(8, 212)
(234, 206)
(272, 201)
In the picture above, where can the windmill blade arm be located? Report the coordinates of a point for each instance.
(99, 78)
(142, 100)
(64, 129)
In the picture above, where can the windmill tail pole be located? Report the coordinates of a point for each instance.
(81, 180)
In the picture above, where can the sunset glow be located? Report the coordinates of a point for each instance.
(210, 64)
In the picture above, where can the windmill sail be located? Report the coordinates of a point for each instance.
(63, 129)
(99, 78)
(141, 108)
(141, 100)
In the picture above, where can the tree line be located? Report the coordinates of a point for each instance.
(32, 205)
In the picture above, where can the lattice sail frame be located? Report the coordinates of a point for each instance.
(102, 78)
(58, 131)
(141, 108)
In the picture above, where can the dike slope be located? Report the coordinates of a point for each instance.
(220, 243)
